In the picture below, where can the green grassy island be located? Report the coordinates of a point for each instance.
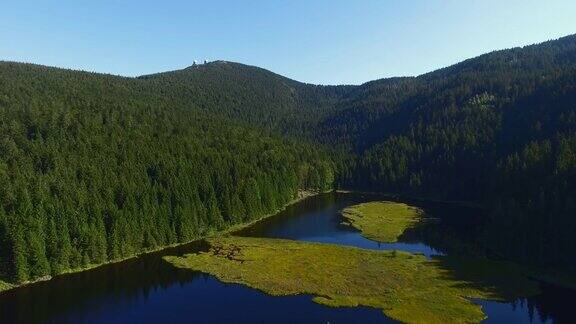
(404, 286)
(382, 221)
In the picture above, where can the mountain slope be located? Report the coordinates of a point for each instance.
(251, 94)
(97, 167)
(499, 130)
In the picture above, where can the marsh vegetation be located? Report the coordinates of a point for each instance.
(150, 289)
(405, 286)
(382, 221)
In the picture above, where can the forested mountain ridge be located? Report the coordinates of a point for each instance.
(510, 73)
(499, 129)
(252, 95)
(98, 167)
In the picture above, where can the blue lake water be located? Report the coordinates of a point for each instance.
(148, 290)
(324, 225)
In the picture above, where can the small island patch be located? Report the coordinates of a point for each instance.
(382, 221)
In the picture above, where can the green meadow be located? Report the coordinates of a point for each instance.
(382, 221)
(406, 287)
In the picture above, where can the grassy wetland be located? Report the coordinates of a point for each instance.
(404, 286)
(382, 221)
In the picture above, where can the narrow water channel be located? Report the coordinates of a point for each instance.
(147, 289)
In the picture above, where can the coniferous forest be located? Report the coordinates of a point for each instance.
(96, 168)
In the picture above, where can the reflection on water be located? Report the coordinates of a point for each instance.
(554, 305)
(147, 289)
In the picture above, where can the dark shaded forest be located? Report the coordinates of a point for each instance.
(498, 130)
(95, 167)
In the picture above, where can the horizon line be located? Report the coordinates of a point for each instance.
(203, 62)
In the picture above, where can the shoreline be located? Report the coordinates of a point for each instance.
(547, 276)
(462, 203)
(300, 196)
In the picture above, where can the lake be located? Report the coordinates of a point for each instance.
(147, 289)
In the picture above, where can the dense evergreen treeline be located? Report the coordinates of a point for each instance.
(498, 130)
(96, 168)
(250, 95)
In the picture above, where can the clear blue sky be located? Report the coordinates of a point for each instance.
(324, 41)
